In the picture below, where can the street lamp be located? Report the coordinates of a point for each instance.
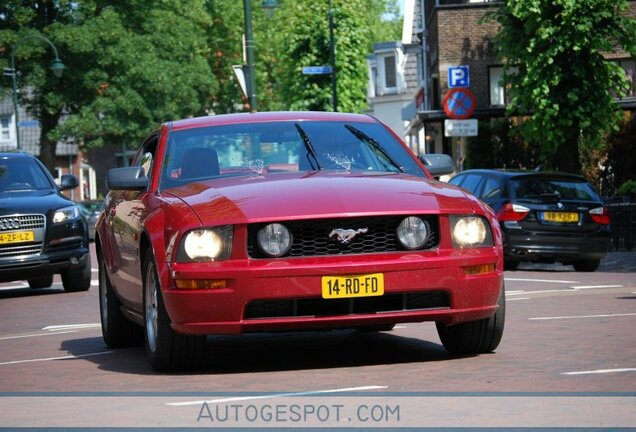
(56, 66)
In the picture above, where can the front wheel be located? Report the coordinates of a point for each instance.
(167, 351)
(78, 279)
(586, 265)
(475, 337)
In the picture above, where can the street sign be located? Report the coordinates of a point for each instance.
(459, 103)
(317, 70)
(240, 76)
(458, 77)
(459, 128)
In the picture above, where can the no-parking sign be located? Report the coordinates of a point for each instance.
(459, 103)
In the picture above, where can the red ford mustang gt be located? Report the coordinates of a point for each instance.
(291, 221)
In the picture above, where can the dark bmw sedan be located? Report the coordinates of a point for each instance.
(544, 216)
(42, 233)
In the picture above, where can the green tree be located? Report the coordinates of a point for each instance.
(554, 55)
(130, 64)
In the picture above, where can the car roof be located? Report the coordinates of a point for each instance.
(514, 174)
(224, 119)
(15, 154)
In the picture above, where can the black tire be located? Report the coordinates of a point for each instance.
(167, 350)
(78, 279)
(475, 337)
(375, 328)
(586, 265)
(117, 330)
(511, 265)
(41, 282)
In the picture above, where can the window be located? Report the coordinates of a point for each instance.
(497, 89)
(389, 72)
(6, 128)
(629, 66)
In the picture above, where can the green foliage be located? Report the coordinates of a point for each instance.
(130, 64)
(554, 56)
(627, 188)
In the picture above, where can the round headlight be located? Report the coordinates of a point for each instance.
(413, 232)
(274, 240)
(469, 231)
(203, 244)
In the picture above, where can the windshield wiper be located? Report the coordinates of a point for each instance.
(311, 151)
(363, 136)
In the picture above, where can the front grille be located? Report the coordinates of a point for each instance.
(21, 223)
(25, 222)
(311, 237)
(318, 307)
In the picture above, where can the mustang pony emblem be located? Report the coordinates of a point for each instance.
(344, 236)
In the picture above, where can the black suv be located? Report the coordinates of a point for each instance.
(544, 216)
(41, 232)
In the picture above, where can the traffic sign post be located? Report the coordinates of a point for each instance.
(459, 103)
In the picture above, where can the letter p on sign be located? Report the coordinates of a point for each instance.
(458, 77)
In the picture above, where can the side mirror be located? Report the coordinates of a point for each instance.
(127, 178)
(437, 164)
(68, 181)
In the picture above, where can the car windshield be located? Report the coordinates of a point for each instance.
(18, 174)
(547, 190)
(287, 146)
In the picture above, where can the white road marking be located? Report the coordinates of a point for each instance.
(518, 298)
(94, 283)
(94, 270)
(543, 291)
(277, 395)
(36, 334)
(600, 371)
(71, 326)
(540, 280)
(56, 358)
(399, 327)
(583, 287)
(514, 291)
(583, 316)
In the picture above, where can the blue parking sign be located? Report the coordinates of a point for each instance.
(458, 76)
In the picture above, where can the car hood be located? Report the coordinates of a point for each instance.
(36, 202)
(319, 194)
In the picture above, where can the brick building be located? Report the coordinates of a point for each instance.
(437, 35)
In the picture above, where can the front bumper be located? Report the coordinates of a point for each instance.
(43, 265)
(429, 286)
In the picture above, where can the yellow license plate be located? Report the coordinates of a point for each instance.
(352, 286)
(16, 237)
(566, 217)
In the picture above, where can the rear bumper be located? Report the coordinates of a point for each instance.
(530, 246)
(287, 295)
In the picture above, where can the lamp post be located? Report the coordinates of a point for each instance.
(332, 61)
(249, 52)
(56, 66)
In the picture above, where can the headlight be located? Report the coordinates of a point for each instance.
(66, 214)
(274, 240)
(470, 231)
(413, 232)
(208, 244)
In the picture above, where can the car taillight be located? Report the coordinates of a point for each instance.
(600, 215)
(512, 212)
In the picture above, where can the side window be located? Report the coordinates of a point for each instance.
(145, 155)
(492, 189)
(457, 180)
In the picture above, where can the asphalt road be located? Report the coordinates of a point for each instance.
(568, 335)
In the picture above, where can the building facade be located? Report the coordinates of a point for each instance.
(439, 35)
